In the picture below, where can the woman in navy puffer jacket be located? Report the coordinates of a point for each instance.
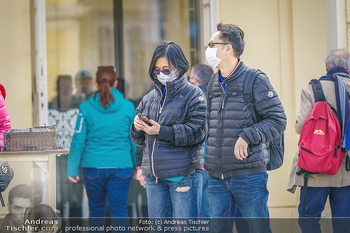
(173, 143)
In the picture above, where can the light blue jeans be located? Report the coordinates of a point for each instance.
(170, 199)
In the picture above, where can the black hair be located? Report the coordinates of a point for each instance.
(234, 35)
(173, 53)
(203, 73)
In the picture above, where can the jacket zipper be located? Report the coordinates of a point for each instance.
(220, 127)
(154, 142)
(152, 162)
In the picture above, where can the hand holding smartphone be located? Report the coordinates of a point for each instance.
(144, 118)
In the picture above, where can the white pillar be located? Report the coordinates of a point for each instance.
(209, 20)
(40, 65)
(336, 24)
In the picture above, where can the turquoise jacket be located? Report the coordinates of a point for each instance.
(101, 138)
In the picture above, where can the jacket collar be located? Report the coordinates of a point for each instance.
(337, 70)
(234, 74)
(171, 87)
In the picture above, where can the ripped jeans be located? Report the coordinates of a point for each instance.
(171, 199)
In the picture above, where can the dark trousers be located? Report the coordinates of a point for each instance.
(339, 199)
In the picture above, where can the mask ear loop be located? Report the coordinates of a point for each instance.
(225, 53)
(228, 51)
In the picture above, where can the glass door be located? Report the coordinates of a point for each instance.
(147, 23)
(84, 34)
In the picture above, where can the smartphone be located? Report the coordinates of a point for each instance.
(144, 118)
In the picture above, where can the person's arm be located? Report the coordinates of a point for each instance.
(132, 144)
(5, 123)
(272, 118)
(77, 146)
(138, 137)
(194, 130)
(138, 175)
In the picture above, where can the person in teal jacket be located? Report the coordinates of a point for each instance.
(102, 146)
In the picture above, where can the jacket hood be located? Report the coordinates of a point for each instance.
(119, 100)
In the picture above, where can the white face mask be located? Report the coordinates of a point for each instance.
(210, 55)
(166, 78)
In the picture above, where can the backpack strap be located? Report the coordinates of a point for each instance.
(318, 90)
(210, 88)
(306, 176)
(248, 97)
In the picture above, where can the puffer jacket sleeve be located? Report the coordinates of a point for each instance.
(138, 137)
(5, 123)
(272, 118)
(138, 155)
(194, 130)
(77, 145)
(132, 144)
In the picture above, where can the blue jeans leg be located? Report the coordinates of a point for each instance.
(158, 198)
(205, 208)
(186, 196)
(222, 207)
(117, 188)
(107, 183)
(174, 199)
(118, 184)
(315, 203)
(249, 193)
(241, 224)
(339, 200)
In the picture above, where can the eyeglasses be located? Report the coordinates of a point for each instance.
(211, 44)
(164, 71)
(113, 67)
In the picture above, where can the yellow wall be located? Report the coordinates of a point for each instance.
(16, 76)
(287, 40)
(15, 61)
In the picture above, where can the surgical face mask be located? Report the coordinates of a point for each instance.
(166, 78)
(210, 55)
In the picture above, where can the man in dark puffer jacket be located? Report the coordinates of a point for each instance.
(236, 152)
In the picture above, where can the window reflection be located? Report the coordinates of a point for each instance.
(84, 34)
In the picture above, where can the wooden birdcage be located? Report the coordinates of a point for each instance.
(33, 139)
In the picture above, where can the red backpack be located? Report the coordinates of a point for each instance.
(320, 139)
